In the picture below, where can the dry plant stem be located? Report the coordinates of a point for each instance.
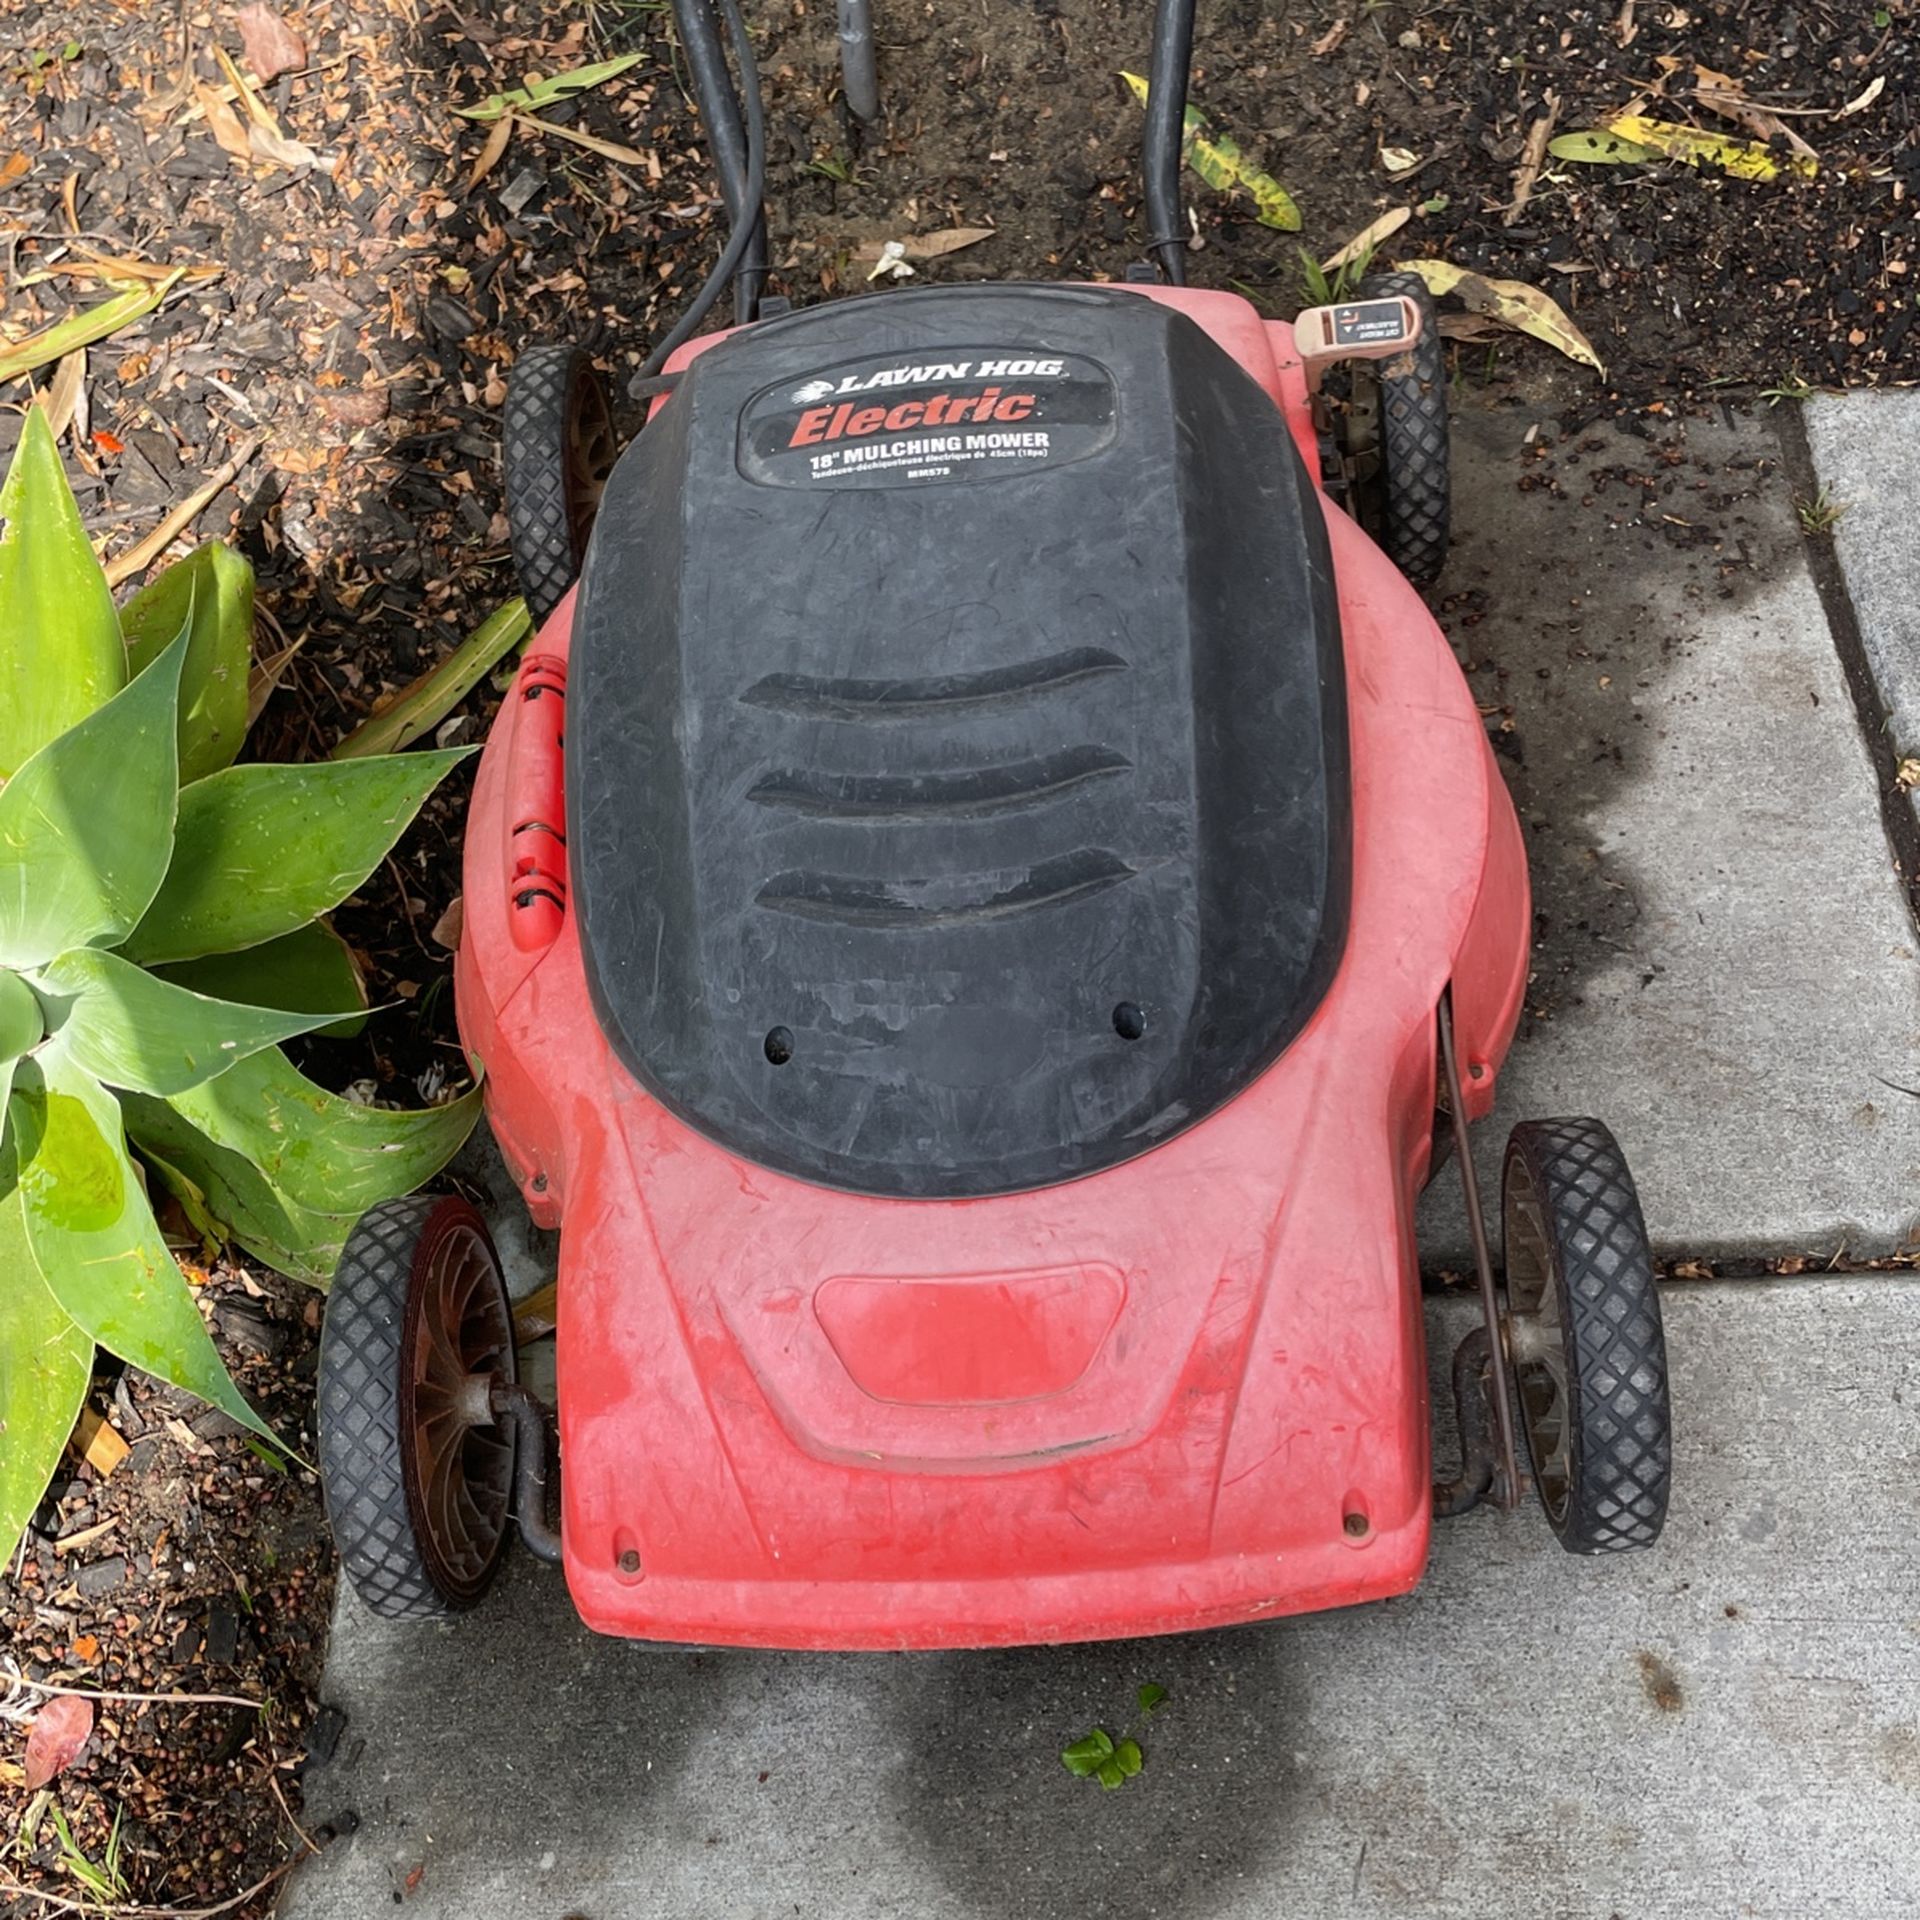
(306, 1839)
(143, 1699)
(1532, 159)
(138, 559)
(59, 1902)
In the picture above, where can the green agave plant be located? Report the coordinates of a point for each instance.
(161, 930)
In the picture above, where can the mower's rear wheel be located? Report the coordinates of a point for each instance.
(556, 450)
(417, 1475)
(1589, 1354)
(1407, 496)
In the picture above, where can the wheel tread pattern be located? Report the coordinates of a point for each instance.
(359, 1415)
(533, 442)
(1416, 483)
(1622, 1452)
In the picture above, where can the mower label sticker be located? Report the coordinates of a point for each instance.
(1369, 323)
(970, 414)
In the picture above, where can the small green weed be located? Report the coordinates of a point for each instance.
(1821, 514)
(102, 1878)
(1099, 1756)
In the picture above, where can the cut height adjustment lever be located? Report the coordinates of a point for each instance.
(1354, 330)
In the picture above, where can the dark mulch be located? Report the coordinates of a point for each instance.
(192, 1566)
(368, 311)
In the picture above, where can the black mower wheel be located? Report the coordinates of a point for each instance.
(556, 450)
(418, 1478)
(1411, 487)
(1589, 1355)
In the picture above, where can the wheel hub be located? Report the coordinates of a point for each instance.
(1536, 1342)
(458, 1340)
(590, 454)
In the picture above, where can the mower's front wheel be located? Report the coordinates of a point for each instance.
(1589, 1354)
(1408, 489)
(556, 451)
(416, 1470)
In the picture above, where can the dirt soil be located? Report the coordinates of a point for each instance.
(193, 1567)
(371, 296)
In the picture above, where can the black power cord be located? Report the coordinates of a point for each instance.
(746, 217)
(1169, 63)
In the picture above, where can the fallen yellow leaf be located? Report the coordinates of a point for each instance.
(1368, 238)
(1511, 302)
(1218, 162)
(1742, 159)
(1596, 147)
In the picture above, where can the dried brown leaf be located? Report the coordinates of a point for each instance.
(497, 138)
(60, 1729)
(1368, 238)
(272, 47)
(267, 674)
(257, 109)
(277, 150)
(1512, 302)
(101, 1445)
(61, 395)
(606, 149)
(929, 246)
(223, 123)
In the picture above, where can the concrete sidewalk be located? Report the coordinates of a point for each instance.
(1724, 962)
(1727, 1725)
(1867, 449)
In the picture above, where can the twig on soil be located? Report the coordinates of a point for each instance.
(18, 1682)
(307, 1839)
(137, 559)
(1534, 156)
(406, 905)
(61, 1904)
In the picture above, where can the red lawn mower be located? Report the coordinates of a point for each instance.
(986, 902)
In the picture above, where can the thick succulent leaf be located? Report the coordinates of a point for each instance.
(213, 588)
(22, 1025)
(310, 971)
(60, 650)
(319, 1150)
(128, 1029)
(261, 850)
(415, 713)
(95, 1239)
(45, 1364)
(228, 1198)
(86, 826)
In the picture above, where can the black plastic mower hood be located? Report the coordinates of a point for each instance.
(957, 753)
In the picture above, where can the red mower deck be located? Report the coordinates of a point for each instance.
(1186, 1391)
(983, 909)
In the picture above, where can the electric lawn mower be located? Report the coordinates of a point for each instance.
(986, 901)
